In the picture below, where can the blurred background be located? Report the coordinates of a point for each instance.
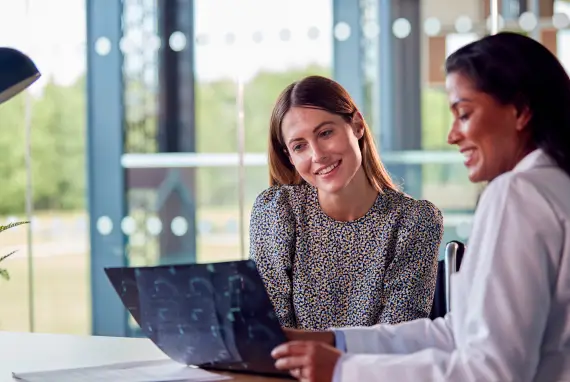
(145, 140)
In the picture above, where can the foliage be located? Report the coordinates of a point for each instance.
(3, 272)
(59, 169)
(58, 150)
(436, 119)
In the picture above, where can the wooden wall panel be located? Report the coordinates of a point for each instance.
(436, 60)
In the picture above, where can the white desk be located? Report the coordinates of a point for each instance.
(27, 352)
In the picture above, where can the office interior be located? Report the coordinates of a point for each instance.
(145, 140)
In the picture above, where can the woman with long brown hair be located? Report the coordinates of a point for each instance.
(335, 241)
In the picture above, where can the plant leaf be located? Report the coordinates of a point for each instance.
(11, 225)
(6, 256)
(3, 272)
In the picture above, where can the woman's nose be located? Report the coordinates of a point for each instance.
(318, 154)
(454, 135)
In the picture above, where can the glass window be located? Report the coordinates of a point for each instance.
(43, 146)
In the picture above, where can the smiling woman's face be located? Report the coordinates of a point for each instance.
(490, 135)
(323, 147)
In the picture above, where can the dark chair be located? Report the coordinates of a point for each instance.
(445, 268)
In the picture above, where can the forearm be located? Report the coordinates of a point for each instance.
(383, 339)
(402, 338)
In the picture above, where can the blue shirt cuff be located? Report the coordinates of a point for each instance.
(339, 340)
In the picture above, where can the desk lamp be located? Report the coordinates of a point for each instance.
(17, 72)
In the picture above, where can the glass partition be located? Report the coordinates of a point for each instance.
(178, 156)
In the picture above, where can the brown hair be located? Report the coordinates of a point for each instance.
(325, 94)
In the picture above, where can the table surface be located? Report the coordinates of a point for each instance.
(28, 352)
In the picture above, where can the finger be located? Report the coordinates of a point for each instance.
(301, 375)
(290, 348)
(289, 363)
(306, 375)
(295, 373)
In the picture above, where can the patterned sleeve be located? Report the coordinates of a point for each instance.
(410, 278)
(272, 238)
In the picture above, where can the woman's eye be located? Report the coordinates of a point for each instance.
(463, 117)
(326, 133)
(297, 147)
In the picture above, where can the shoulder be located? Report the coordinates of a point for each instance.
(525, 213)
(540, 190)
(286, 196)
(528, 209)
(416, 213)
(279, 204)
(419, 229)
(273, 216)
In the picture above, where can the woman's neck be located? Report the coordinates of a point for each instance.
(353, 202)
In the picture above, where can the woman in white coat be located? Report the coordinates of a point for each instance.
(510, 318)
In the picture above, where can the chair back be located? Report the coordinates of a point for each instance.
(450, 264)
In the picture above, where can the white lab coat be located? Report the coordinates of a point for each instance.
(510, 317)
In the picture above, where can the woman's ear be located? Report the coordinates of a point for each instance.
(358, 125)
(523, 117)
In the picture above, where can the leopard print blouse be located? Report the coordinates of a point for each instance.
(322, 273)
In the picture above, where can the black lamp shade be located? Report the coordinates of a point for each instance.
(17, 72)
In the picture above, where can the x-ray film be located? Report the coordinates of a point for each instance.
(214, 316)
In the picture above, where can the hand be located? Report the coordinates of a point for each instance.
(305, 335)
(308, 361)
